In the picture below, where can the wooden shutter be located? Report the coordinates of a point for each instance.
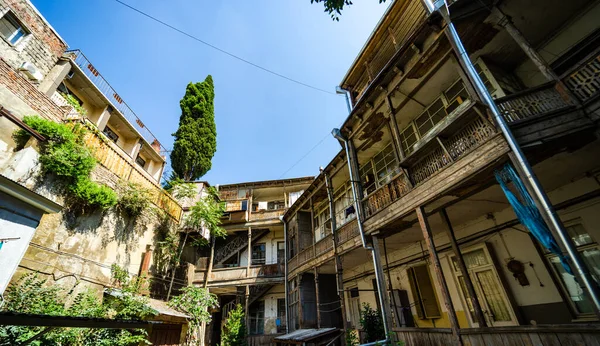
(423, 292)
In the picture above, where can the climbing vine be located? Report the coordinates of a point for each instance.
(64, 156)
(196, 302)
(72, 101)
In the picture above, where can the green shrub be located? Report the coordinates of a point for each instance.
(133, 199)
(234, 330)
(64, 155)
(372, 324)
(74, 103)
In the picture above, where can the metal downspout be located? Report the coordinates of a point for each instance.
(359, 219)
(523, 167)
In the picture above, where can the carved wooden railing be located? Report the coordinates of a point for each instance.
(292, 263)
(266, 214)
(531, 102)
(386, 194)
(228, 194)
(324, 245)
(347, 232)
(584, 82)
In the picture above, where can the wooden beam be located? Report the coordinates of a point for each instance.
(437, 268)
(316, 272)
(463, 269)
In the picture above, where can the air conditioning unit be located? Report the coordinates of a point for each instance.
(31, 71)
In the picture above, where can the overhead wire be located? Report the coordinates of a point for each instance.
(237, 57)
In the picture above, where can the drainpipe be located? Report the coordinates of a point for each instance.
(356, 193)
(285, 270)
(519, 160)
(340, 91)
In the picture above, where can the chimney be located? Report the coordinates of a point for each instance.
(155, 145)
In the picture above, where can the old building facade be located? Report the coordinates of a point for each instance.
(40, 76)
(248, 266)
(424, 150)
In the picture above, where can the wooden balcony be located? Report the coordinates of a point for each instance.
(112, 158)
(260, 274)
(263, 215)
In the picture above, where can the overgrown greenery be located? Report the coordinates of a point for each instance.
(34, 295)
(234, 330)
(196, 138)
(335, 7)
(195, 302)
(179, 188)
(352, 337)
(72, 101)
(371, 323)
(65, 156)
(133, 199)
(206, 213)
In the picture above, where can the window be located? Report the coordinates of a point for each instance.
(11, 29)
(280, 252)
(259, 254)
(455, 95)
(275, 205)
(408, 139)
(281, 315)
(257, 318)
(242, 193)
(140, 161)
(379, 170)
(590, 254)
(483, 74)
(344, 207)
(431, 116)
(293, 196)
(110, 134)
(423, 292)
(322, 222)
(244, 205)
(354, 303)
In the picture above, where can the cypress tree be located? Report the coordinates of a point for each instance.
(196, 138)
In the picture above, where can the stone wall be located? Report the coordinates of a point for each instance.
(42, 47)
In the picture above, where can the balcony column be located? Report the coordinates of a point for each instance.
(437, 267)
(247, 306)
(103, 118)
(53, 78)
(463, 269)
(334, 238)
(505, 22)
(384, 297)
(394, 130)
(316, 271)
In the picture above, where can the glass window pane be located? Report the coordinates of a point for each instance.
(579, 235)
(493, 296)
(474, 259)
(574, 290)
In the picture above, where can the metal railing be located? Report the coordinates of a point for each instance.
(532, 102)
(117, 102)
(584, 82)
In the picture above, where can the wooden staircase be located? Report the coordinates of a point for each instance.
(235, 244)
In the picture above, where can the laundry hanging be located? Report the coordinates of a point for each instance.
(528, 213)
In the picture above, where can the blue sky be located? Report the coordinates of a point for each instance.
(265, 124)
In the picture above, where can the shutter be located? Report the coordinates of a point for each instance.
(424, 292)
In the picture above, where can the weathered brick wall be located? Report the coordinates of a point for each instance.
(43, 47)
(28, 93)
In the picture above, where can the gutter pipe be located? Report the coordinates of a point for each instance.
(379, 277)
(519, 160)
(285, 246)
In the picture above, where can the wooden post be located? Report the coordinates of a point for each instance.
(463, 269)
(437, 267)
(389, 275)
(317, 298)
(210, 261)
(515, 33)
(247, 306)
(395, 132)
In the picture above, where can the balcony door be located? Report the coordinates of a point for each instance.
(489, 289)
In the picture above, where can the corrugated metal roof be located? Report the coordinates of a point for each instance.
(305, 334)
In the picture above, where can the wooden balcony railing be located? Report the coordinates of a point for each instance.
(266, 214)
(584, 82)
(115, 161)
(347, 232)
(324, 245)
(540, 100)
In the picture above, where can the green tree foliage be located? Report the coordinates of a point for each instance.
(335, 7)
(207, 212)
(195, 302)
(34, 295)
(371, 323)
(133, 199)
(196, 138)
(234, 330)
(65, 156)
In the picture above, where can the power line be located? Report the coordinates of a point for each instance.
(304, 156)
(195, 38)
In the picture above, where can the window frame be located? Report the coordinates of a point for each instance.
(392, 168)
(16, 22)
(258, 261)
(108, 132)
(417, 297)
(140, 158)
